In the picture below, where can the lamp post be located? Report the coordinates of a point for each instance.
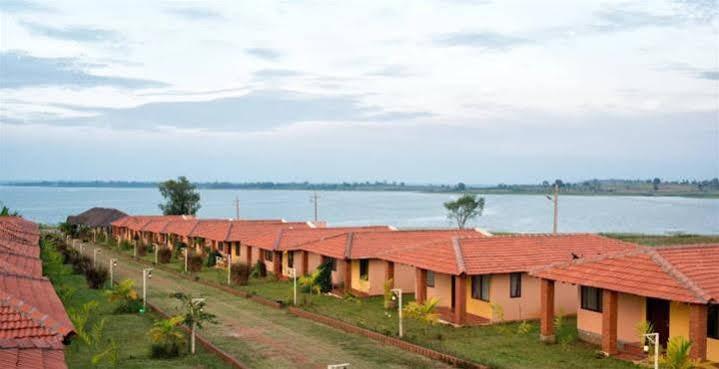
(229, 267)
(194, 303)
(157, 249)
(397, 294)
(652, 339)
(113, 264)
(293, 274)
(186, 250)
(555, 199)
(94, 256)
(146, 274)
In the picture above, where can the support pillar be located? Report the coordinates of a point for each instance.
(389, 272)
(546, 318)
(421, 285)
(248, 256)
(277, 263)
(460, 299)
(609, 322)
(348, 275)
(698, 320)
(304, 263)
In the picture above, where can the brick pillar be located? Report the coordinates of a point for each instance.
(389, 272)
(304, 263)
(421, 285)
(277, 263)
(609, 322)
(348, 275)
(248, 257)
(698, 319)
(460, 299)
(546, 319)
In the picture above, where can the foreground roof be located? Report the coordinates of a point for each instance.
(503, 254)
(96, 217)
(685, 273)
(294, 238)
(371, 244)
(33, 323)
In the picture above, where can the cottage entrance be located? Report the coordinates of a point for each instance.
(453, 291)
(658, 316)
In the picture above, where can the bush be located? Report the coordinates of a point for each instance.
(194, 263)
(324, 277)
(126, 245)
(212, 258)
(81, 264)
(240, 273)
(125, 293)
(141, 249)
(96, 277)
(158, 351)
(164, 255)
(259, 270)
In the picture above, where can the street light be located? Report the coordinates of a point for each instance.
(157, 249)
(652, 339)
(293, 274)
(397, 294)
(146, 274)
(186, 252)
(338, 366)
(229, 266)
(94, 256)
(194, 302)
(113, 264)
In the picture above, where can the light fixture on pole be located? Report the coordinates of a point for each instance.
(195, 303)
(229, 267)
(555, 199)
(397, 294)
(185, 251)
(652, 339)
(94, 256)
(157, 250)
(338, 366)
(293, 274)
(146, 274)
(113, 264)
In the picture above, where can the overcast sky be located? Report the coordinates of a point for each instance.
(443, 91)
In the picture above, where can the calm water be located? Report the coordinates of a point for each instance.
(518, 213)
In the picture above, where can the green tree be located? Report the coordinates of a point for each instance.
(655, 183)
(464, 208)
(194, 314)
(181, 196)
(167, 336)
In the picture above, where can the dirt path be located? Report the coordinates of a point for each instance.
(266, 338)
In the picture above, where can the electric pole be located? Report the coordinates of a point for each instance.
(313, 199)
(237, 208)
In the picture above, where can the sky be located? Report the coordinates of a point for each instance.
(482, 92)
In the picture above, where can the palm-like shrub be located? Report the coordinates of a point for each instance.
(194, 262)
(96, 277)
(389, 301)
(259, 270)
(164, 255)
(125, 293)
(240, 273)
(166, 337)
(425, 312)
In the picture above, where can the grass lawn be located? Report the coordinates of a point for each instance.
(659, 240)
(128, 330)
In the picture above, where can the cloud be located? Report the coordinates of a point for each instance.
(256, 111)
(263, 53)
(693, 71)
(702, 10)
(73, 33)
(276, 73)
(619, 19)
(391, 71)
(195, 13)
(20, 6)
(485, 40)
(18, 70)
(712, 75)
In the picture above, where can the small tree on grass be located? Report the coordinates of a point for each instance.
(193, 314)
(181, 197)
(127, 295)
(324, 277)
(259, 270)
(425, 312)
(464, 208)
(166, 337)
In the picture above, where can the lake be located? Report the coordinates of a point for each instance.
(516, 213)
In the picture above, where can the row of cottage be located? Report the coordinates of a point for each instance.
(480, 278)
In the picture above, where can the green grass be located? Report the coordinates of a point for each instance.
(128, 330)
(660, 240)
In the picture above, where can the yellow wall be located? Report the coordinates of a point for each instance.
(442, 289)
(476, 306)
(678, 320)
(713, 349)
(357, 283)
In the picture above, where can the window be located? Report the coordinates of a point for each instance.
(515, 285)
(364, 269)
(592, 299)
(268, 255)
(430, 278)
(237, 248)
(480, 287)
(291, 259)
(713, 323)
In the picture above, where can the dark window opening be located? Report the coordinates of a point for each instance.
(268, 255)
(592, 299)
(515, 285)
(430, 278)
(713, 322)
(291, 259)
(480, 287)
(364, 269)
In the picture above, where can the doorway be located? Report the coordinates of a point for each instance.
(453, 291)
(658, 316)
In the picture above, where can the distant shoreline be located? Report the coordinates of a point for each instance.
(617, 188)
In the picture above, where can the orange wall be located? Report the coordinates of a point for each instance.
(442, 289)
(631, 310)
(404, 277)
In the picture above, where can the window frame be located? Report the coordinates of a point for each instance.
(364, 274)
(291, 259)
(585, 292)
(480, 287)
(515, 285)
(268, 255)
(429, 279)
(713, 322)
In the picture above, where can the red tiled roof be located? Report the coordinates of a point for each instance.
(502, 254)
(33, 321)
(180, 227)
(370, 244)
(212, 229)
(685, 273)
(292, 239)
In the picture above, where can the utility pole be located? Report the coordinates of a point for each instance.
(556, 207)
(314, 199)
(237, 208)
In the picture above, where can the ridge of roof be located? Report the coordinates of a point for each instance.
(193, 228)
(280, 233)
(229, 230)
(680, 277)
(686, 246)
(348, 246)
(587, 260)
(459, 256)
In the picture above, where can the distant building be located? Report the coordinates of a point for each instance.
(97, 220)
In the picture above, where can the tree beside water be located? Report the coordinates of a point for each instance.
(181, 197)
(464, 208)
